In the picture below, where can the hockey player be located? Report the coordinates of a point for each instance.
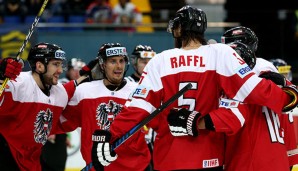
(73, 68)
(212, 69)
(141, 55)
(139, 58)
(54, 152)
(95, 105)
(32, 103)
(249, 38)
(282, 67)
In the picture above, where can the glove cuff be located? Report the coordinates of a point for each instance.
(101, 136)
(293, 92)
(192, 123)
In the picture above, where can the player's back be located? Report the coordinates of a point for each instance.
(199, 67)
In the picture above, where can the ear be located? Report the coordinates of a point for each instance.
(40, 67)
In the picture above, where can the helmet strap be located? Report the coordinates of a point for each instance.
(47, 88)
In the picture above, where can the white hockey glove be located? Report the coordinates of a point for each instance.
(102, 154)
(183, 122)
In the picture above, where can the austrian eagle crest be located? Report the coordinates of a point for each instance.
(43, 126)
(106, 112)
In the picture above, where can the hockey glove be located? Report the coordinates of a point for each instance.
(102, 154)
(10, 68)
(293, 92)
(86, 70)
(277, 78)
(183, 122)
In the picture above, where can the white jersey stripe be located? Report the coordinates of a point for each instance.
(145, 105)
(246, 88)
(239, 115)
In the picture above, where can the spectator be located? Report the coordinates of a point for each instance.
(99, 11)
(126, 12)
(34, 6)
(76, 7)
(13, 8)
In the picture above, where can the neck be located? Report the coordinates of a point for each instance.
(106, 82)
(191, 45)
(114, 87)
(37, 80)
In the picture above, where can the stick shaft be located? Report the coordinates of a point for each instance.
(26, 40)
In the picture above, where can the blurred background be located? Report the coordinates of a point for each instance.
(80, 27)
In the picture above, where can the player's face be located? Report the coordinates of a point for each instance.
(54, 69)
(114, 69)
(141, 63)
(73, 74)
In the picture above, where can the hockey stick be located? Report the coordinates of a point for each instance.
(136, 128)
(26, 40)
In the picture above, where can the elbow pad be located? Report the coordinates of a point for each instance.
(293, 92)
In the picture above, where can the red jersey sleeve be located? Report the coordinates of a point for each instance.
(70, 88)
(230, 116)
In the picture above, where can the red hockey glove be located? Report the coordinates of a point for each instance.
(10, 68)
(183, 122)
(86, 70)
(102, 154)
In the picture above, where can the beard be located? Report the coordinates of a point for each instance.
(50, 79)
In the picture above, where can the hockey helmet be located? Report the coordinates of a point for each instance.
(282, 67)
(245, 53)
(44, 52)
(241, 34)
(190, 19)
(108, 50)
(143, 51)
(75, 63)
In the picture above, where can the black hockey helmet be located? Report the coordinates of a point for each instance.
(142, 51)
(190, 19)
(108, 50)
(241, 34)
(44, 52)
(245, 53)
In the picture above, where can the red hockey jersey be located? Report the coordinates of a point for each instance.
(212, 70)
(27, 117)
(260, 143)
(92, 107)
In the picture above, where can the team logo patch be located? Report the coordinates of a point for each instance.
(243, 71)
(141, 91)
(106, 113)
(210, 163)
(145, 54)
(60, 54)
(116, 51)
(228, 103)
(43, 126)
(237, 32)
